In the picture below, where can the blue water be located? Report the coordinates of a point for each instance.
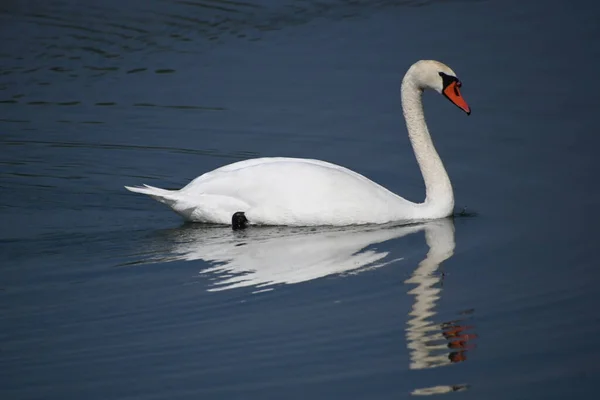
(105, 294)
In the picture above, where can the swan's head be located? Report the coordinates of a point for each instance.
(430, 74)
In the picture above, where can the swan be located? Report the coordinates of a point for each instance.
(307, 192)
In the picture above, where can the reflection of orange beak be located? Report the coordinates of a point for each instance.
(458, 356)
(453, 94)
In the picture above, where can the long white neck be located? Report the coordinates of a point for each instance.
(439, 199)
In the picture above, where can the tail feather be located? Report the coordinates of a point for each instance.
(164, 196)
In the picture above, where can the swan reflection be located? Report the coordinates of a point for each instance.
(441, 389)
(262, 258)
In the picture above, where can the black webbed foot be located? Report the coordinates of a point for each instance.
(238, 221)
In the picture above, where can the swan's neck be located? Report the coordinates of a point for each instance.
(439, 200)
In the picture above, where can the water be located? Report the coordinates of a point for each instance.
(106, 294)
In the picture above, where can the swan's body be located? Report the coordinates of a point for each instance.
(304, 192)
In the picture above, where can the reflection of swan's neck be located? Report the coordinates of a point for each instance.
(439, 200)
(421, 332)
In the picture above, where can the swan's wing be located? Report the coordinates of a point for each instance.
(292, 191)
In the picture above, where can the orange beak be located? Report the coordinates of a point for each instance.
(453, 94)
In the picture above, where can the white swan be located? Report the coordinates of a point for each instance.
(304, 192)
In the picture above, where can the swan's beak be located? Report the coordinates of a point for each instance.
(453, 94)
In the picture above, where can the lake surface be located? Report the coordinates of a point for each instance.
(105, 294)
